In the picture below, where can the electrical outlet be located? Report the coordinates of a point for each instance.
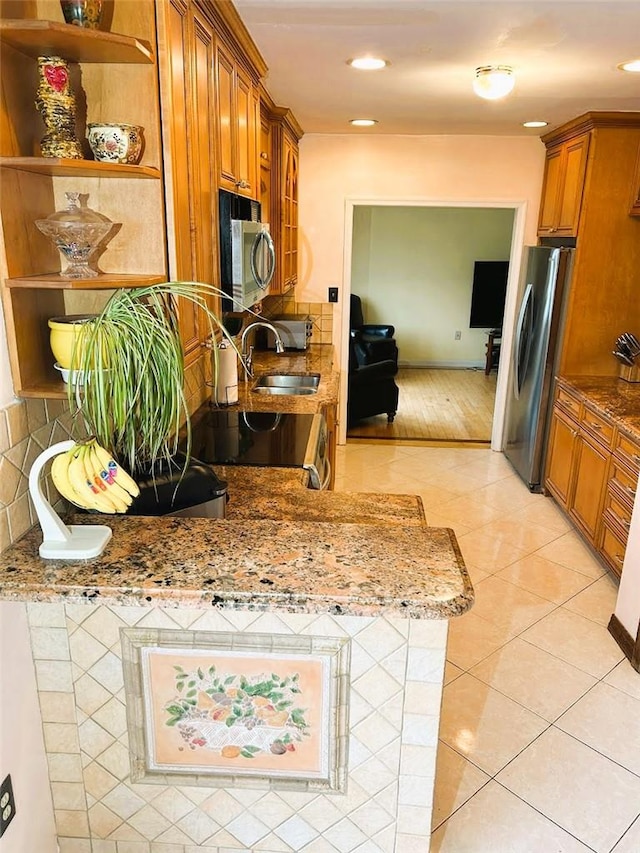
(7, 805)
(458, 335)
(333, 294)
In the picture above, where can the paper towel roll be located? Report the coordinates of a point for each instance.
(227, 378)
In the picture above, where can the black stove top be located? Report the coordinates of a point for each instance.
(235, 437)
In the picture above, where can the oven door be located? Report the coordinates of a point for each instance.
(316, 460)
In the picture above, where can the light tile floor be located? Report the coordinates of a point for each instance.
(540, 735)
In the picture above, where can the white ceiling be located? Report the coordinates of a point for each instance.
(564, 53)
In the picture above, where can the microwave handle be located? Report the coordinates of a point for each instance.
(263, 237)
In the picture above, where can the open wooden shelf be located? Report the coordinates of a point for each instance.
(52, 390)
(54, 167)
(104, 281)
(76, 44)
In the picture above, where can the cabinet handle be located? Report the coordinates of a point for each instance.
(594, 426)
(635, 457)
(619, 558)
(243, 185)
(264, 155)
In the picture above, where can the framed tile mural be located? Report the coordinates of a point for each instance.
(236, 709)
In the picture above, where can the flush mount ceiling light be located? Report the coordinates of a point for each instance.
(632, 65)
(367, 63)
(535, 123)
(363, 122)
(493, 81)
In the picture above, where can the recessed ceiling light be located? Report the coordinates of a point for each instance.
(367, 63)
(363, 122)
(535, 123)
(632, 65)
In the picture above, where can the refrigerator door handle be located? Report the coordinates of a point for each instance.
(524, 315)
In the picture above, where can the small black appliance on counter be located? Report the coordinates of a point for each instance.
(199, 493)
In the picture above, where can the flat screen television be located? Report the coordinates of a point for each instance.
(488, 294)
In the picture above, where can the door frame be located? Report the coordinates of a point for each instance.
(519, 208)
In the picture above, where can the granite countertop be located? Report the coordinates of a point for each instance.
(618, 399)
(281, 493)
(318, 358)
(264, 565)
(282, 546)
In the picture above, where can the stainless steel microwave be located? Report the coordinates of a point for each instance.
(253, 261)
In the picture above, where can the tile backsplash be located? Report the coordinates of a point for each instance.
(321, 314)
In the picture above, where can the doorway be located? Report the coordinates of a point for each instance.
(412, 264)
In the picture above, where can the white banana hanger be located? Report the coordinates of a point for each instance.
(76, 542)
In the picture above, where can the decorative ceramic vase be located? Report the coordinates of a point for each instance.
(82, 13)
(66, 337)
(57, 105)
(115, 143)
(77, 232)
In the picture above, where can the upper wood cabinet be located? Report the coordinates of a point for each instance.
(237, 125)
(590, 168)
(107, 65)
(285, 133)
(187, 92)
(563, 186)
(635, 189)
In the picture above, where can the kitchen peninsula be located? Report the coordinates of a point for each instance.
(370, 577)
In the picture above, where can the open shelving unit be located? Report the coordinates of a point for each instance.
(117, 81)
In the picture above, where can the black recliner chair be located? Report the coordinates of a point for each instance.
(372, 389)
(373, 342)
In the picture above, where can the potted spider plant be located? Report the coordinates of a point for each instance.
(130, 355)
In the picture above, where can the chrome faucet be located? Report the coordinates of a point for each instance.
(247, 354)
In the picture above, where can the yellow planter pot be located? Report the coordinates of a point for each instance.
(64, 333)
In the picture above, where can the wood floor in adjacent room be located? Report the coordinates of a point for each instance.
(437, 405)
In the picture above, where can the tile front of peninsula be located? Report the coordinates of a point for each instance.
(263, 565)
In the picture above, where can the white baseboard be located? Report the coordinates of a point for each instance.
(448, 365)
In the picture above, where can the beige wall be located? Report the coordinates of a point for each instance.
(418, 169)
(413, 267)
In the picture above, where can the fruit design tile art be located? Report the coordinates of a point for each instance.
(237, 712)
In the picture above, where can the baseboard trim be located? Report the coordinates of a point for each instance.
(626, 642)
(444, 365)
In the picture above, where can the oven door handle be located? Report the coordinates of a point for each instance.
(327, 478)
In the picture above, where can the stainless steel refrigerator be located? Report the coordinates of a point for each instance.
(543, 288)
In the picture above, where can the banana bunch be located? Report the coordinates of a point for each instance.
(87, 476)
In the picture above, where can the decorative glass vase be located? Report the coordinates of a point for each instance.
(77, 232)
(82, 13)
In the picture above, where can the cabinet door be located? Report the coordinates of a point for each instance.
(562, 441)
(289, 235)
(181, 163)
(225, 108)
(551, 191)
(575, 164)
(245, 136)
(589, 485)
(565, 170)
(635, 187)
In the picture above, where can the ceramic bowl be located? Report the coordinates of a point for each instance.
(115, 143)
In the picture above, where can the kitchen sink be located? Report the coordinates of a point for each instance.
(287, 383)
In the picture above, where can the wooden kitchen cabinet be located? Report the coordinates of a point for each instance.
(192, 190)
(237, 125)
(634, 210)
(563, 187)
(33, 187)
(560, 455)
(592, 472)
(588, 484)
(330, 415)
(586, 198)
(285, 135)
